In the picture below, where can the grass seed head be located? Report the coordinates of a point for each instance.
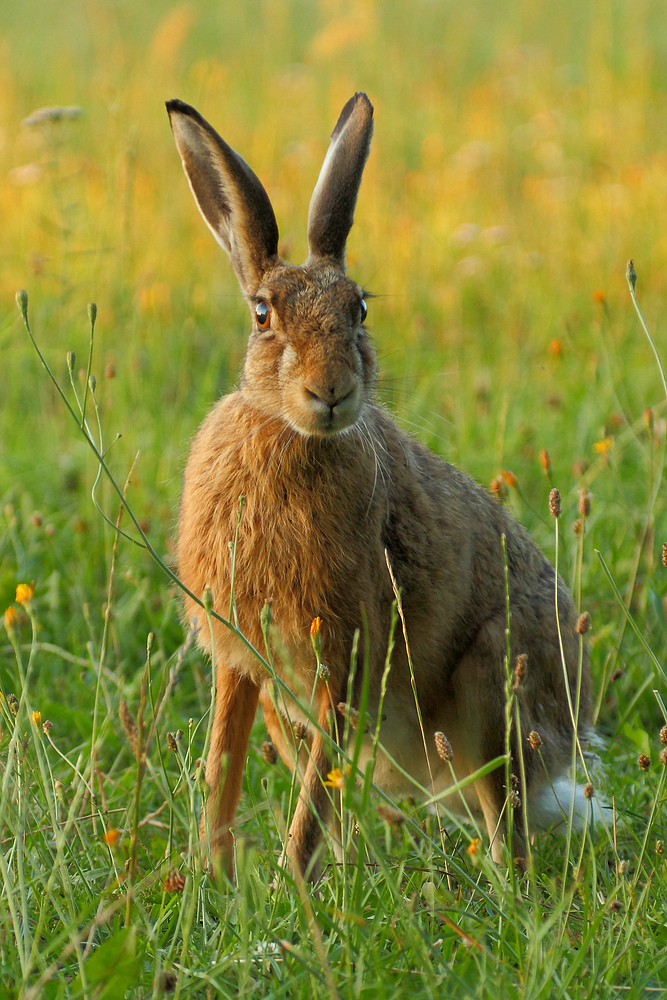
(129, 727)
(663, 735)
(535, 740)
(584, 502)
(268, 752)
(520, 671)
(300, 731)
(12, 703)
(47, 726)
(664, 554)
(554, 502)
(174, 882)
(583, 623)
(663, 757)
(589, 791)
(644, 761)
(443, 746)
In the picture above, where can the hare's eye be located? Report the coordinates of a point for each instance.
(364, 310)
(263, 315)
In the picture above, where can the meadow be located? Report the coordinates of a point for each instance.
(518, 163)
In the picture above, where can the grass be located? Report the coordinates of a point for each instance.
(517, 165)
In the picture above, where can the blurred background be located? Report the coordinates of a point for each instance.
(518, 162)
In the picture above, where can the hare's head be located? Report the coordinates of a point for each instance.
(309, 360)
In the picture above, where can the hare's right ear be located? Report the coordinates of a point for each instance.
(229, 195)
(331, 211)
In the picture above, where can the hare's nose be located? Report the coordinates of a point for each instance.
(330, 395)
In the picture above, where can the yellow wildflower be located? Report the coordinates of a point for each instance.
(36, 718)
(603, 447)
(10, 619)
(336, 778)
(473, 847)
(24, 593)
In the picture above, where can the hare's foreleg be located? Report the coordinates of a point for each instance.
(314, 805)
(236, 700)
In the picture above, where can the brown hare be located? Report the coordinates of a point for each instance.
(335, 494)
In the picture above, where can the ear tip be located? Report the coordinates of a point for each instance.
(358, 106)
(361, 97)
(180, 107)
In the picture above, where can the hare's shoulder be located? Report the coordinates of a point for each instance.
(441, 518)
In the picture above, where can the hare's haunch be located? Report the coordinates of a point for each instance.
(334, 491)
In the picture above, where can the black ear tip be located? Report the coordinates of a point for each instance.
(180, 107)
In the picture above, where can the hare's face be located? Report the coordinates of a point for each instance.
(309, 359)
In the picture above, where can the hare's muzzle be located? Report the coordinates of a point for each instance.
(328, 408)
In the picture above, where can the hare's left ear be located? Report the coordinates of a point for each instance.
(229, 195)
(331, 212)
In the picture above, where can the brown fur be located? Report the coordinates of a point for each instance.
(332, 486)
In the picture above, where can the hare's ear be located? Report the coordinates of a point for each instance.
(229, 195)
(331, 212)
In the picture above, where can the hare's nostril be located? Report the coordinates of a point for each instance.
(331, 397)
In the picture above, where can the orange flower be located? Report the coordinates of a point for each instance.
(336, 778)
(545, 461)
(110, 836)
(497, 487)
(604, 447)
(555, 348)
(315, 637)
(473, 847)
(10, 619)
(24, 593)
(509, 478)
(599, 296)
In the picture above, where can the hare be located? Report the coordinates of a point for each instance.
(337, 498)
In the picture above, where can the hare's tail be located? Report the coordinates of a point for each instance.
(553, 805)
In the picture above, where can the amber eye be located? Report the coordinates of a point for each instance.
(263, 315)
(364, 310)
